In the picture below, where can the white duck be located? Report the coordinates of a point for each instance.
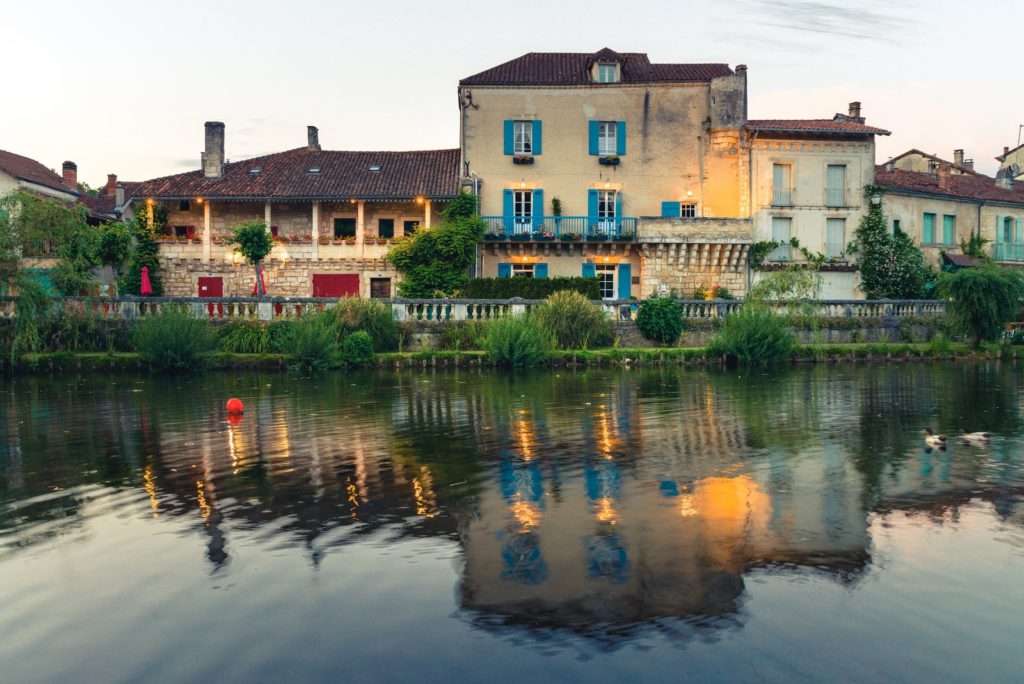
(934, 441)
(975, 438)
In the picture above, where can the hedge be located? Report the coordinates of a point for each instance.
(529, 288)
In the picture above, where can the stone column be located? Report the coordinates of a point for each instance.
(360, 224)
(426, 213)
(266, 213)
(315, 232)
(206, 231)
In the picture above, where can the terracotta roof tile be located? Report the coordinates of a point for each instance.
(573, 68)
(32, 171)
(813, 126)
(969, 187)
(341, 175)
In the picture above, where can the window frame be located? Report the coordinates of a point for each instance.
(605, 69)
(334, 227)
(687, 210)
(523, 270)
(925, 238)
(782, 196)
(607, 200)
(606, 274)
(949, 219)
(783, 252)
(607, 138)
(830, 252)
(836, 196)
(522, 136)
(386, 218)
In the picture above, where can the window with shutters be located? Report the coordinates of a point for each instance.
(522, 270)
(522, 210)
(606, 279)
(607, 138)
(896, 226)
(782, 230)
(1007, 230)
(782, 185)
(928, 230)
(608, 73)
(835, 237)
(835, 188)
(523, 137)
(948, 229)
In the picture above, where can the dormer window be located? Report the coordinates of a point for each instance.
(314, 169)
(608, 72)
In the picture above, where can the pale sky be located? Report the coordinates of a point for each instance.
(125, 87)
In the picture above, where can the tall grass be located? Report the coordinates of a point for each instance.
(463, 335)
(754, 336)
(372, 317)
(573, 322)
(517, 342)
(244, 337)
(172, 340)
(312, 344)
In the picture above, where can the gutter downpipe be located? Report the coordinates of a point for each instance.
(750, 202)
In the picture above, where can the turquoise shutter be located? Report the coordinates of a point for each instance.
(1020, 234)
(510, 145)
(504, 269)
(618, 206)
(591, 205)
(540, 270)
(506, 208)
(625, 278)
(620, 137)
(538, 208)
(594, 132)
(589, 270)
(536, 136)
(999, 228)
(671, 209)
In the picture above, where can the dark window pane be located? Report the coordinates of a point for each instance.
(411, 227)
(386, 228)
(344, 227)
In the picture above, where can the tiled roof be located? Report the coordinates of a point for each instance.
(961, 260)
(813, 126)
(104, 205)
(341, 175)
(968, 187)
(1003, 157)
(573, 68)
(940, 160)
(32, 171)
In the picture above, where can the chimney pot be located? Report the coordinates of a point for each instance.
(70, 173)
(1004, 178)
(855, 110)
(741, 68)
(312, 138)
(945, 171)
(213, 156)
(1006, 150)
(958, 157)
(118, 197)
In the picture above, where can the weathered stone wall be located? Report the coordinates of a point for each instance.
(683, 254)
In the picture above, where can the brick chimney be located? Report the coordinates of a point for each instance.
(958, 157)
(118, 196)
(855, 112)
(111, 186)
(312, 138)
(70, 170)
(213, 156)
(945, 171)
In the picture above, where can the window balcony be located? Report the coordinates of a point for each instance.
(1004, 251)
(559, 229)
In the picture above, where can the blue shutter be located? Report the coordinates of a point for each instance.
(1020, 234)
(538, 208)
(589, 270)
(999, 229)
(536, 136)
(510, 144)
(671, 209)
(618, 208)
(594, 132)
(506, 208)
(591, 210)
(620, 137)
(625, 278)
(504, 269)
(540, 270)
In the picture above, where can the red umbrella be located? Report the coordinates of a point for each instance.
(146, 288)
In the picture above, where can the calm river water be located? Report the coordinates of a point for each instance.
(634, 525)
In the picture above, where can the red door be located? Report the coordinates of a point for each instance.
(336, 285)
(212, 286)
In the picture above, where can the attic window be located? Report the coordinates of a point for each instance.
(255, 169)
(314, 169)
(608, 72)
(375, 168)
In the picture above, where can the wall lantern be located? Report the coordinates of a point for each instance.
(149, 201)
(689, 193)
(876, 198)
(199, 200)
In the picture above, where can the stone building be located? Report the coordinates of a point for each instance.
(332, 215)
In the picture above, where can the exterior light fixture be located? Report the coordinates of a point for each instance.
(149, 201)
(522, 185)
(199, 200)
(607, 185)
(876, 198)
(689, 193)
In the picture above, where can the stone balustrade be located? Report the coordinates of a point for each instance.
(443, 310)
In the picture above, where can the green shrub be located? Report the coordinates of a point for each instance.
(279, 335)
(517, 342)
(244, 337)
(660, 319)
(357, 349)
(573, 322)
(373, 317)
(529, 288)
(753, 336)
(312, 345)
(939, 344)
(172, 340)
(463, 335)
(78, 328)
(980, 300)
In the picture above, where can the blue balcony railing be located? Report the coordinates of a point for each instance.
(560, 228)
(1008, 251)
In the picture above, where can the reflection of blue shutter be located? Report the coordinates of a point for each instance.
(540, 270)
(506, 208)
(624, 280)
(504, 270)
(671, 209)
(620, 137)
(594, 132)
(589, 270)
(538, 208)
(536, 136)
(592, 205)
(510, 143)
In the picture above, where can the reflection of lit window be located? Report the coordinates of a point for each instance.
(204, 508)
(606, 511)
(423, 492)
(150, 486)
(526, 515)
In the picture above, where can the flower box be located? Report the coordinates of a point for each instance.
(350, 241)
(608, 161)
(597, 238)
(521, 237)
(324, 241)
(197, 241)
(570, 237)
(393, 241)
(337, 241)
(522, 159)
(494, 237)
(623, 238)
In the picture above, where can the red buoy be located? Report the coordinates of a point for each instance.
(235, 419)
(235, 405)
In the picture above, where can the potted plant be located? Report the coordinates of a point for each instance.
(197, 240)
(597, 237)
(521, 237)
(350, 241)
(570, 237)
(323, 240)
(273, 231)
(609, 160)
(494, 237)
(522, 159)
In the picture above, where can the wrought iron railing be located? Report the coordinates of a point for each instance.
(1008, 252)
(559, 228)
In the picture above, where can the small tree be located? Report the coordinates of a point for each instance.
(253, 242)
(891, 265)
(980, 300)
(660, 319)
(145, 252)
